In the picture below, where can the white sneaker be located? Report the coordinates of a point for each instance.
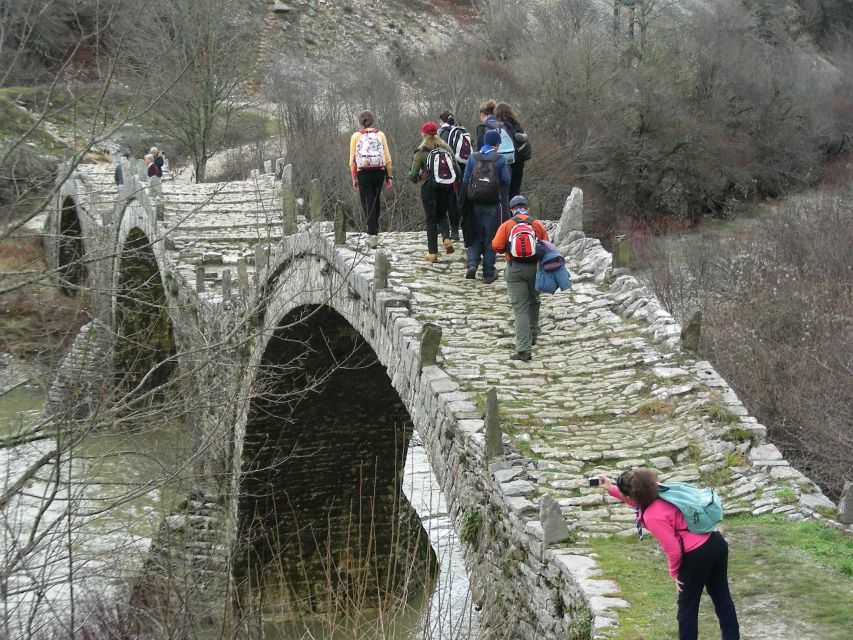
(372, 241)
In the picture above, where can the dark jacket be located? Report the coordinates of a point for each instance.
(490, 123)
(500, 165)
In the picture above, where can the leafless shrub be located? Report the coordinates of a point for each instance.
(777, 323)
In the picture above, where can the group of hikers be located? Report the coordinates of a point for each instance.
(154, 162)
(477, 186)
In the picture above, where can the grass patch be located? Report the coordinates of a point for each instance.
(790, 576)
(657, 407)
(718, 413)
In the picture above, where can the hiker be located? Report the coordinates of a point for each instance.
(434, 166)
(697, 561)
(148, 159)
(488, 122)
(458, 139)
(159, 160)
(118, 174)
(523, 152)
(370, 166)
(516, 239)
(485, 175)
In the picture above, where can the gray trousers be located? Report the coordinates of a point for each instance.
(521, 286)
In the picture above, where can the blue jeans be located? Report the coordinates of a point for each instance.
(483, 228)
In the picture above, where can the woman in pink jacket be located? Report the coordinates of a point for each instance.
(697, 561)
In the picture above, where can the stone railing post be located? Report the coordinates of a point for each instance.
(571, 219)
(226, 284)
(199, 278)
(381, 269)
(315, 201)
(267, 166)
(340, 224)
(430, 343)
(260, 257)
(845, 505)
(288, 202)
(242, 274)
(552, 520)
(494, 438)
(621, 253)
(691, 332)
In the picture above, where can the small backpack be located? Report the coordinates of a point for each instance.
(484, 185)
(369, 151)
(460, 141)
(701, 507)
(440, 167)
(507, 146)
(522, 239)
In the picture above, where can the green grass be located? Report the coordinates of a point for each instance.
(788, 580)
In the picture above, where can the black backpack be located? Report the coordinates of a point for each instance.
(484, 185)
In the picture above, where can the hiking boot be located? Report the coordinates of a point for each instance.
(372, 241)
(448, 245)
(524, 356)
(432, 257)
(470, 274)
(490, 279)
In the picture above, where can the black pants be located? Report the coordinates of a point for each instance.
(706, 568)
(454, 211)
(436, 200)
(517, 169)
(370, 183)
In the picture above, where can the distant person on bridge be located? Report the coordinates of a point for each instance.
(458, 139)
(370, 166)
(148, 159)
(509, 120)
(488, 122)
(434, 166)
(159, 160)
(697, 561)
(485, 175)
(516, 239)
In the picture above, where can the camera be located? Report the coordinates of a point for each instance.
(593, 482)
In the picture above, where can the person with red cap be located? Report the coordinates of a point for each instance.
(434, 166)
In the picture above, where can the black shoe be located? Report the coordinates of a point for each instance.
(490, 279)
(533, 341)
(524, 356)
(470, 274)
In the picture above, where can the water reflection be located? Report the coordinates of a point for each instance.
(445, 611)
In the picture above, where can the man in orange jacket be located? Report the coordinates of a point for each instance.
(520, 276)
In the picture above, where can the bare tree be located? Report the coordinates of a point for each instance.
(199, 55)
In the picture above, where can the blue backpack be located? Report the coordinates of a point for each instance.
(701, 507)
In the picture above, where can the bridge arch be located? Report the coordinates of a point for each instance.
(144, 333)
(70, 248)
(320, 449)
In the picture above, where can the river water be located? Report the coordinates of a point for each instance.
(93, 517)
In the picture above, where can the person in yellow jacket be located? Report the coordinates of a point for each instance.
(370, 166)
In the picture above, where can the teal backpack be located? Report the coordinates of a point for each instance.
(701, 507)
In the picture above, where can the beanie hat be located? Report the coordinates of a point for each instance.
(429, 128)
(492, 138)
(447, 117)
(518, 201)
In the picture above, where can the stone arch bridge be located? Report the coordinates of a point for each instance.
(318, 356)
